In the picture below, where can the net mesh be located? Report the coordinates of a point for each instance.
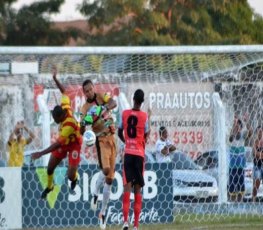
(179, 87)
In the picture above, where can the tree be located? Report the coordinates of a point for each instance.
(172, 22)
(31, 25)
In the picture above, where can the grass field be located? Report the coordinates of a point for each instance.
(234, 223)
(241, 222)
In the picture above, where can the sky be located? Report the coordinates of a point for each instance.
(68, 10)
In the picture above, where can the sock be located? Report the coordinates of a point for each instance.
(76, 176)
(99, 183)
(50, 181)
(126, 205)
(106, 198)
(137, 208)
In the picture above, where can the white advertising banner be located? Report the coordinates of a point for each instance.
(10, 198)
(184, 108)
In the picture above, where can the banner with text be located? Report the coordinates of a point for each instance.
(66, 209)
(10, 198)
(184, 108)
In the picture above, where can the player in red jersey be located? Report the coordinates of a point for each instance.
(68, 143)
(133, 131)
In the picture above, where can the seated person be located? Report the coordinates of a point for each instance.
(163, 146)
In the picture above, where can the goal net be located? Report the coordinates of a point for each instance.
(196, 93)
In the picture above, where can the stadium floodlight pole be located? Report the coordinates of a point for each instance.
(45, 123)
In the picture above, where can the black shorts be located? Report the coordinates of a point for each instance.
(133, 169)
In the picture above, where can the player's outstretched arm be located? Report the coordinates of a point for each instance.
(59, 85)
(51, 148)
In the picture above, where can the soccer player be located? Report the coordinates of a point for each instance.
(69, 142)
(133, 131)
(105, 144)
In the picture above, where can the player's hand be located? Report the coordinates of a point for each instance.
(105, 112)
(36, 155)
(22, 124)
(19, 125)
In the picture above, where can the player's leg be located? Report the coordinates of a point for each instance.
(52, 164)
(74, 159)
(109, 171)
(105, 144)
(99, 182)
(138, 184)
(126, 204)
(128, 177)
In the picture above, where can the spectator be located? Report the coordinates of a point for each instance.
(164, 147)
(237, 163)
(16, 144)
(258, 162)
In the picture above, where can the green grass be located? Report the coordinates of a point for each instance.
(193, 222)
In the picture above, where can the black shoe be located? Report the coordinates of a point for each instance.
(45, 192)
(73, 184)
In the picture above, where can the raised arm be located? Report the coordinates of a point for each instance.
(13, 133)
(234, 130)
(59, 85)
(30, 133)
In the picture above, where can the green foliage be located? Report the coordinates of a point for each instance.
(136, 22)
(31, 25)
(172, 22)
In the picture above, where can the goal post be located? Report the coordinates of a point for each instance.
(194, 91)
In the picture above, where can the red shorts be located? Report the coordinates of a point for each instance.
(73, 152)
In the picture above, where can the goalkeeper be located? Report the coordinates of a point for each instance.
(69, 142)
(96, 112)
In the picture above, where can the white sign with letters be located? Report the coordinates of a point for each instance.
(10, 198)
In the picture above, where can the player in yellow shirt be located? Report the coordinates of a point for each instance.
(68, 143)
(16, 144)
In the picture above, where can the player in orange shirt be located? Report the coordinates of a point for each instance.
(69, 142)
(133, 131)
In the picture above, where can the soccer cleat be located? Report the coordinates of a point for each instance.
(94, 203)
(125, 226)
(135, 228)
(102, 221)
(73, 184)
(46, 192)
